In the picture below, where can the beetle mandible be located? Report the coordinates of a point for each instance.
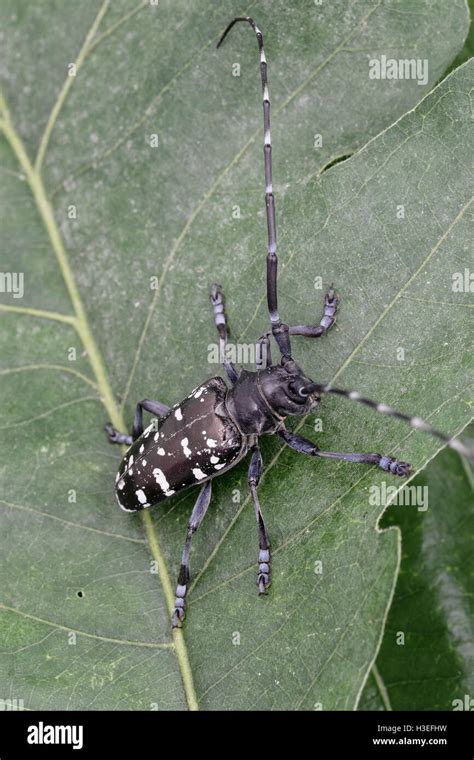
(218, 424)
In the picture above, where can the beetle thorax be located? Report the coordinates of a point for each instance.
(260, 401)
(249, 408)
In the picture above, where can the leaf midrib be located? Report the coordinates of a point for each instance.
(81, 324)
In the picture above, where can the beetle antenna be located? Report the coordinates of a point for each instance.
(280, 331)
(415, 422)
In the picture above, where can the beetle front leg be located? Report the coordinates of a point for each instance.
(326, 321)
(264, 352)
(197, 516)
(386, 463)
(255, 471)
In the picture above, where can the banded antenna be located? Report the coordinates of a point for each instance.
(415, 422)
(280, 331)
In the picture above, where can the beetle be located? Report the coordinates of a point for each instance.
(218, 424)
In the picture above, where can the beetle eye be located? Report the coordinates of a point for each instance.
(298, 389)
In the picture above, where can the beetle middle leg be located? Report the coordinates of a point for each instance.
(255, 471)
(147, 405)
(386, 463)
(220, 319)
(197, 516)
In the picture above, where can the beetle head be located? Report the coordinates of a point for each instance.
(287, 390)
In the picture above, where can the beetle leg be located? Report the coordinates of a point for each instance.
(154, 407)
(326, 322)
(220, 319)
(115, 436)
(386, 463)
(255, 471)
(197, 516)
(147, 405)
(264, 354)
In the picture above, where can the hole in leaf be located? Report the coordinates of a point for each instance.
(335, 161)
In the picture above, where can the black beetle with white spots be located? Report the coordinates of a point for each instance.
(218, 424)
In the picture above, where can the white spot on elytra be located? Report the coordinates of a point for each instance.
(186, 449)
(219, 466)
(140, 496)
(144, 462)
(156, 436)
(160, 478)
(142, 448)
(121, 484)
(211, 443)
(130, 461)
(161, 452)
(178, 414)
(198, 392)
(198, 474)
(214, 460)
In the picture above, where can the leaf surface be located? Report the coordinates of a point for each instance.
(97, 215)
(426, 661)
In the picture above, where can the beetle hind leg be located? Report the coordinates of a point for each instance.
(197, 516)
(264, 574)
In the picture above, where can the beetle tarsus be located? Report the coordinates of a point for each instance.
(179, 613)
(115, 436)
(325, 323)
(395, 467)
(263, 576)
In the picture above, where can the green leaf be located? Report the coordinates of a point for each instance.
(468, 50)
(101, 212)
(426, 659)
